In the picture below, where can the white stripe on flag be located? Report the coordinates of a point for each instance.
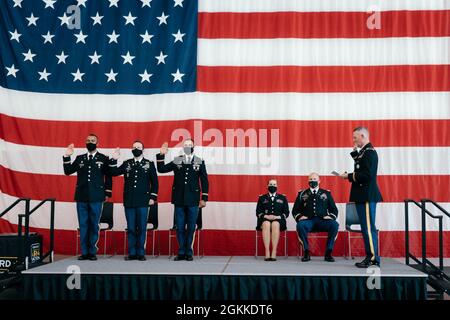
(319, 5)
(217, 215)
(251, 161)
(323, 52)
(228, 106)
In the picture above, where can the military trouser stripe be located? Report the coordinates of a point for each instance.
(369, 231)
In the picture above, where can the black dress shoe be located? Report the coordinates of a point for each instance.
(306, 256)
(267, 259)
(179, 257)
(189, 258)
(273, 259)
(328, 256)
(141, 258)
(129, 258)
(92, 257)
(366, 263)
(83, 257)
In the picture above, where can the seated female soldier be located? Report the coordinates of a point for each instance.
(271, 211)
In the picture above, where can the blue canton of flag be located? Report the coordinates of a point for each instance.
(99, 46)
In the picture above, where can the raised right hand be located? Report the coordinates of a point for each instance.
(69, 150)
(164, 148)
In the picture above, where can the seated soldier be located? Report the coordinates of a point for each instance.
(315, 210)
(272, 211)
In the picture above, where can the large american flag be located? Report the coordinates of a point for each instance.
(267, 88)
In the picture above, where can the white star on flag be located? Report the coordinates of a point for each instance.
(95, 58)
(146, 37)
(178, 3)
(17, 3)
(44, 75)
(47, 37)
(161, 58)
(113, 37)
(178, 36)
(145, 77)
(12, 71)
(32, 20)
(177, 76)
(77, 76)
(113, 3)
(128, 58)
(15, 35)
(64, 19)
(81, 3)
(81, 37)
(29, 56)
(97, 19)
(146, 3)
(111, 76)
(129, 19)
(62, 58)
(162, 19)
(49, 3)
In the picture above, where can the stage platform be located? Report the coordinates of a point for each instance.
(223, 278)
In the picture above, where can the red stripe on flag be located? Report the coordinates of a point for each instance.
(292, 133)
(242, 242)
(269, 25)
(324, 79)
(224, 188)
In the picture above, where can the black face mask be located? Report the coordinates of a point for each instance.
(136, 152)
(91, 146)
(188, 150)
(272, 189)
(313, 184)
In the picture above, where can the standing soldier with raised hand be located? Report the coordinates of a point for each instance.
(94, 186)
(190, 183)
(140, 191)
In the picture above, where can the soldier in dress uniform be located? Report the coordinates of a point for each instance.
(140, 191)
(365, 193)
(189, 193)
(94, 186)
(315, 210)
(272, 210)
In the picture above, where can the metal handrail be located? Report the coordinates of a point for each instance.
(27, 202)
(436, 205)
(408, 255)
